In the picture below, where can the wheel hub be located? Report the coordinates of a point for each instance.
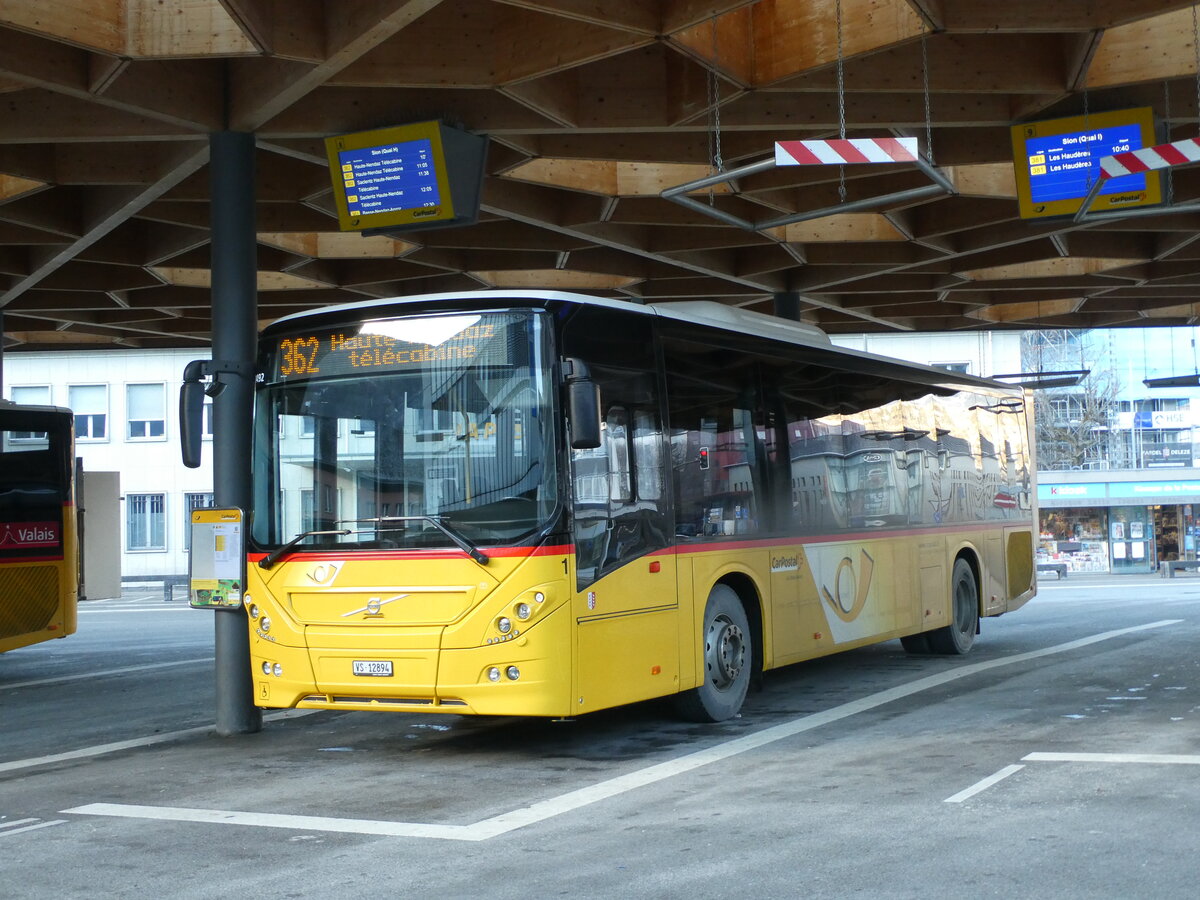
(726, 652)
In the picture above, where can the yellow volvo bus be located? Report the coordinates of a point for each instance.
(546, 504)
(39, 569)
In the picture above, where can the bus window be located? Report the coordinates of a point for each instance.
(619, 508)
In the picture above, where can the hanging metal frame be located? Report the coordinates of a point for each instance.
(1085, 215)
(941, 183)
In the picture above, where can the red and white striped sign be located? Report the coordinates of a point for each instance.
(1161, 157)
(845, 152)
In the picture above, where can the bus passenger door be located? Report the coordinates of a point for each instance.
(625, 606)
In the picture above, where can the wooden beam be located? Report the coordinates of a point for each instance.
(161, 30)
(1149, 50)
(262, 89)
(255, 19)
(790, 38)
(94, 24)
(103, 220)
(957, 63)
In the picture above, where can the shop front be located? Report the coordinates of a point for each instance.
(1117, 522)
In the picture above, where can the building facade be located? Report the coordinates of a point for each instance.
(125, 404)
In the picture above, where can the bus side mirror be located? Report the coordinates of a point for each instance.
(583, 405)
(191, 412)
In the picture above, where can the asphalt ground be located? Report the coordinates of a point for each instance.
(1061, 758)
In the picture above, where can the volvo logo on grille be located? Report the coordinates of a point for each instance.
(374, 606)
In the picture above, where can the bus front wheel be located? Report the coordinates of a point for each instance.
(728, 660)
(958, 637)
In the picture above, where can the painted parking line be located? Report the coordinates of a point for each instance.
(1166, 759)
(984, 784)
(105, 673)
(8, 829)
(577, 799)
(134, 743)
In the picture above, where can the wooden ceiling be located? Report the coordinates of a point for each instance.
(593, 108)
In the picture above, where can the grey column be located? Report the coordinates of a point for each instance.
(787, 306)
(234, 331)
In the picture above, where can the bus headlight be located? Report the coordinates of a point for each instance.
(539, 597)
(504, 625)
(277, 670)
(493, 674)
(253, 610)
(266, 668)
(513, 673)
(265, 624)
(524, 611)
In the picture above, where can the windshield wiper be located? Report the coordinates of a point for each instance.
(439, 523)
(274, 556)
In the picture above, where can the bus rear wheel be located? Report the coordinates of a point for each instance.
(958, 637)
(728, 659)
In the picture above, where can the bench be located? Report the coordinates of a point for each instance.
(1168, 568)
(1060, 569)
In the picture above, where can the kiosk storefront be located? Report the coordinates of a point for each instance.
(1119, 522)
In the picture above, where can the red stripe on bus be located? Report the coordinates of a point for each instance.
(497, 553)
(716, 546)
(6, 561)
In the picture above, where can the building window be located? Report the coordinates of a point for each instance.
(89, 402)
(146, 522)
(206, 432)
(192, 502)
(30, 395)
(145, 409)
(962, 368)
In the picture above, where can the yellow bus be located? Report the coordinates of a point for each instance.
(39, 546)
(546, 504)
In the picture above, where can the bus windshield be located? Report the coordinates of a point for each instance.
(420, 431)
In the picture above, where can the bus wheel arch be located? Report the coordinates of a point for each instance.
(730, 649)
(958, 637)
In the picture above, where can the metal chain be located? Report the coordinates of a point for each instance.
(925, 85)
(716, 100)
(714, 116)
(841, 92)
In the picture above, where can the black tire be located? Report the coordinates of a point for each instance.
(958, 637)
(728, 652)
(917, 644)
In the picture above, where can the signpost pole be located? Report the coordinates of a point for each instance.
(234, 330)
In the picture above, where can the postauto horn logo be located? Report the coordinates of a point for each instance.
(849, 594)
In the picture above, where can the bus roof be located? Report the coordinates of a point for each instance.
(708, 313)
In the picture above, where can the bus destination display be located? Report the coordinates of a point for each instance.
(342, 352)
(1057, 163)
(393, 177)
(1064, 166)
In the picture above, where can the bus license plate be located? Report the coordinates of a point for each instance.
(382, 667)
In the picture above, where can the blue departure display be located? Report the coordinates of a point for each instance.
(390, 178)
(1064, 166)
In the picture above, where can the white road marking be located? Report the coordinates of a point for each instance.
(16, 822)
(276, 820)
(84, 676)
(1171, 759)
(136, 610)
(984, 784)
(577, 799)
(12, 831)
(116, 746)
